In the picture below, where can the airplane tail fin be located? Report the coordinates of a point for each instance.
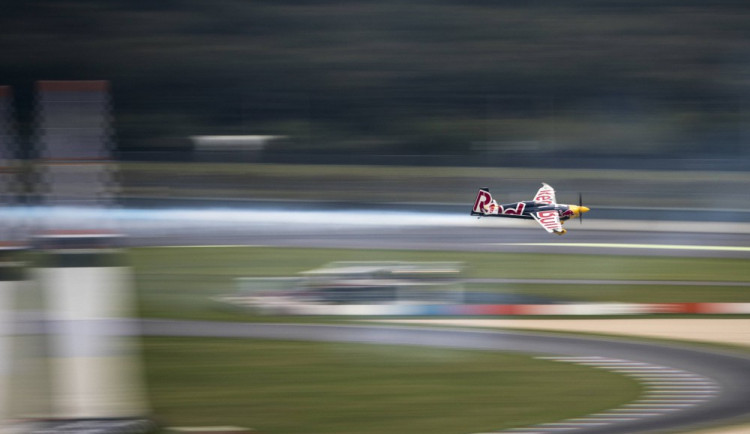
(483, 198)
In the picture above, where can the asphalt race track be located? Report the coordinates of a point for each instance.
(373, 229)
(727, 373)
(433, 232)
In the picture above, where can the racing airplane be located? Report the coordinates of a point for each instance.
(543, 208)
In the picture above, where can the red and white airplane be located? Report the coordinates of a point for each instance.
(543, 208)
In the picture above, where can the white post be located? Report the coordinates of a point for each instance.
(11, 276)
(94, 358)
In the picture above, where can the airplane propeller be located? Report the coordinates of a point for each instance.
(580, 205)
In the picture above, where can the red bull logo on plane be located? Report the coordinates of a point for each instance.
(545, 195)
(483, 199)
(485, 205)
(518, 210)
(548, 219)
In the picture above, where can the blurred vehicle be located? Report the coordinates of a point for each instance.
(354, 283)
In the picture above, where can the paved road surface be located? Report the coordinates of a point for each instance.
(372, 229)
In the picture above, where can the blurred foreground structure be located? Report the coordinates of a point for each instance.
(11, 284)
(94, 367)
(10, 182)
(69, 359)
(75, 167)
(69, 355)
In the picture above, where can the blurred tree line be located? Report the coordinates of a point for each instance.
(440, 77)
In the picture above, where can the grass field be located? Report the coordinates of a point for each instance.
(301, 387)
(179, 282)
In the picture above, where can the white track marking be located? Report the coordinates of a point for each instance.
(667, 390)
(632, 246)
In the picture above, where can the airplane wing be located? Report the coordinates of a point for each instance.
(546, 194)
(550, 221)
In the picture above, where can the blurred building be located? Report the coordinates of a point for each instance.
(231, 148)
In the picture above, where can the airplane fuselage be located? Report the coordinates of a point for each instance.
(524, 210)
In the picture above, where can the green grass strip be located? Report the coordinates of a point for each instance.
(179, 282)
(303, 387)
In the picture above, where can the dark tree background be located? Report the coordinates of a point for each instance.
(470, 77)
